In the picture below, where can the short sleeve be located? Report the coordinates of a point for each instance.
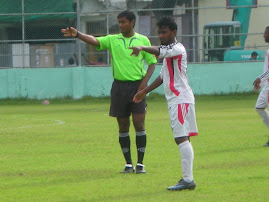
(105, 42)
(171, 50)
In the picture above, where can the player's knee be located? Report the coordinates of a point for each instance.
(179, 140)
(258, 110)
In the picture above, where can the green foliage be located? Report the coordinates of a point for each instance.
(69, 151)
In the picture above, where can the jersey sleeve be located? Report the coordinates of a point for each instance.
(150, 59)
(105, 42)
(171, 50)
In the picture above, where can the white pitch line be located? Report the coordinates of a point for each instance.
(58, 122)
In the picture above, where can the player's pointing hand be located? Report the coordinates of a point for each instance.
(136, 50)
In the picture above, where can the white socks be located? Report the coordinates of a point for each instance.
(187, 157)
(263, 114)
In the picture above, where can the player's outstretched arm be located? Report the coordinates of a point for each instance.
(72, 32)
(150, 49)
(141, 94)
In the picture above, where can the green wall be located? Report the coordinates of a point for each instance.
(40, 83)
(224, 78)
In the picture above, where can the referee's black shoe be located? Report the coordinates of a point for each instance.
(128, 169)
(140, 169)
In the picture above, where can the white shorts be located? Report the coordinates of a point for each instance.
(183, 120)
(263, 100)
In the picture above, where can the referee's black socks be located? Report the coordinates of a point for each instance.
(124, 140)
(141, 141)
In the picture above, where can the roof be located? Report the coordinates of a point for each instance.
(14, 9)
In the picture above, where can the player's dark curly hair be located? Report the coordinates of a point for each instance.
(169, 22)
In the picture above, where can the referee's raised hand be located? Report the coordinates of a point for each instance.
(69, 32)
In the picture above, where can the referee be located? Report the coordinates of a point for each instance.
(130, 76)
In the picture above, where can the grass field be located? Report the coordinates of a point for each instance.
(69, 151)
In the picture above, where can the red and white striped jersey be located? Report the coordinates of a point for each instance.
(174, 74)
(265, 76)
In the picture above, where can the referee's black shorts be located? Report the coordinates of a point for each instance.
(122, 105)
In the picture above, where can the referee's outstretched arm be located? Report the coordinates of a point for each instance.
(72, 32)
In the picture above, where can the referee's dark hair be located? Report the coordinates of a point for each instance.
(128, 14)
(169, 22)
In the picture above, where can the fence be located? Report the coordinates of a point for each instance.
(30, 30)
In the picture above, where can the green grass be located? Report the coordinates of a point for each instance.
(69, 151)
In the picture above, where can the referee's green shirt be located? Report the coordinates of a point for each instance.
(124, 66)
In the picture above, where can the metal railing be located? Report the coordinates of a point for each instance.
(34, 39)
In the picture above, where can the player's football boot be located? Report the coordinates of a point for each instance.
(182, 185)
(140, 168)
(128, 169)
